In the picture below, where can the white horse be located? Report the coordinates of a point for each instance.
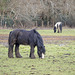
(58, 26)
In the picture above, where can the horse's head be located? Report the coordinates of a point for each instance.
(41, 51)
(40, 45)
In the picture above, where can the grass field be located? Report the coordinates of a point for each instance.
(59, 58)
(66, 32)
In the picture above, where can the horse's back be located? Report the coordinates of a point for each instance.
(24, 37)
(18, 36)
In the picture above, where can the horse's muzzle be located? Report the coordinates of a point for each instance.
(42, 56)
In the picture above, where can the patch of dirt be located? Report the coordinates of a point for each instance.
(47, 39)
(59, 37)
(4, 39)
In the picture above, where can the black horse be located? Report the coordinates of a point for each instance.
(32, 38)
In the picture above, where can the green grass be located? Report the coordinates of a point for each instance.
(59, 60)
(5, 31)
(65, 32)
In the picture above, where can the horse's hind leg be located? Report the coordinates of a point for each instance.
(10, 51)
(17, 51)
(61, 28)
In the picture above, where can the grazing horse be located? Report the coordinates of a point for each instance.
(58, 26)
(32, 38)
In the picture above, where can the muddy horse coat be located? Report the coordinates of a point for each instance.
(32, 38)
(58, 26)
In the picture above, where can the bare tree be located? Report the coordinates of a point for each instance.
(27, 12)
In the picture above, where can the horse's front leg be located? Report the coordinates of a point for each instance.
(17, 51)
(58, 29)
(32, 56)
(10, 51)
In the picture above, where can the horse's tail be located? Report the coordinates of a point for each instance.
(9, 39)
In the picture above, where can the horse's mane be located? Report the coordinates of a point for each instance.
(39, 38)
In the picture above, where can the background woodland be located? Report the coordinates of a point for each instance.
(28, 13)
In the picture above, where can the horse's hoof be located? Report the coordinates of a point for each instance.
(32, 57)
(10, 56)
(18, 56)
